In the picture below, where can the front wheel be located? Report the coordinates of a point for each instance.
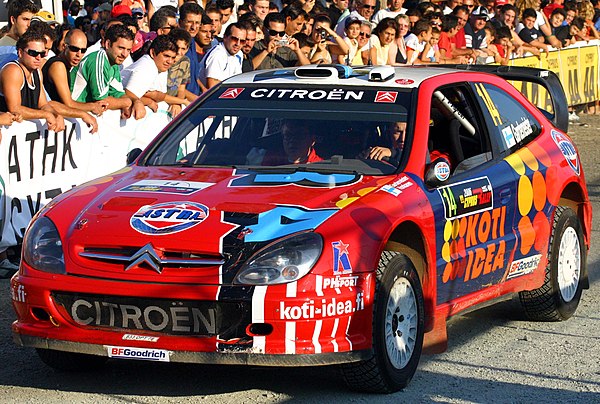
(398, 327)
(559, 296)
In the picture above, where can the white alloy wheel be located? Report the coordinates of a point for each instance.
(401, 323)
(569, 264)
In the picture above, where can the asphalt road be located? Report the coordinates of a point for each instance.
(494, 355)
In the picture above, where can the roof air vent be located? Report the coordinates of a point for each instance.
(381, 73)
(323, 72)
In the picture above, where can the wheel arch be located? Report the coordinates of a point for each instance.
(574, 197)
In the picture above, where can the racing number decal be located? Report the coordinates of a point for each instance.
(450, 201)
(485, 96)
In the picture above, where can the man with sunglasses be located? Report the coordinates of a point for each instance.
(363, 11)
(225, 59)
(277, 50)
(59, 74)
(394, 7)
(22, 89)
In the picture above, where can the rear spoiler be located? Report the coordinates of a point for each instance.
(545, 78)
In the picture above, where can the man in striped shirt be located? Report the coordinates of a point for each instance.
(98, 76)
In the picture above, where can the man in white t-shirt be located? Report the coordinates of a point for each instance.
(146, 79)
(394, 8)
(225, 59)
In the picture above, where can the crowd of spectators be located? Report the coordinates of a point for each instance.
(130, 54)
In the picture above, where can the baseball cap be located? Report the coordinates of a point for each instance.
(137, 10)
(500, 2)
(480, 13)
(120, 9)
(45, 16)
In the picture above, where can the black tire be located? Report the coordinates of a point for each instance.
(379, 374)
(551, 302)
(70, 361)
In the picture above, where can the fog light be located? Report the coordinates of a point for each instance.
(290, 272)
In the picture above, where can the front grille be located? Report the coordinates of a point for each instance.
(228, 320)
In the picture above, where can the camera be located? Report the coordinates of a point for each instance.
(283, 42)
(323, 34)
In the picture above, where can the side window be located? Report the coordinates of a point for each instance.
(510, 125)
(456, 132)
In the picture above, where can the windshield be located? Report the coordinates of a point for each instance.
(262, 133)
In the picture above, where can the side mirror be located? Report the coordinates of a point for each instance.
(133, 155)
(437, 172)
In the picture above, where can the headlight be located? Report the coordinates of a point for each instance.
(42, 248)
(282, 261)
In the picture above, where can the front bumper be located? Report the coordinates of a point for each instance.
(315, 321)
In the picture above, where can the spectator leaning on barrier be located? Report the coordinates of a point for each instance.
(225, 59)
(179, 73)
(146, 79)
(59, 74)
(529, 33)
(49, 36)
(98, 76)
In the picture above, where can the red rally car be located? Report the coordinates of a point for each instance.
(316, 216)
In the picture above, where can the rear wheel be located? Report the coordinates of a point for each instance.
(398, 326)
(70, 361)
(559, 296)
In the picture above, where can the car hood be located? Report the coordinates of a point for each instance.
(190, 214)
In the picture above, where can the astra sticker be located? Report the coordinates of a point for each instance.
(341, 258)
(284, 220)
(168, 218)
(231, 93)
(523, 266)
(466, 198)
(442, 170)
(567, 149)
(166, 187)
(147, 354)
(386, 96)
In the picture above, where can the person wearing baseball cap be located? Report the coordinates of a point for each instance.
(45, 16)
(120, 9)
(552, 5)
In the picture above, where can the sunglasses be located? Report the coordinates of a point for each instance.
(436, 23)
(236, 39)
(138, 16)
(75, 49)
(368, 6)
(34, 53)
(364, 35)
(272, 32)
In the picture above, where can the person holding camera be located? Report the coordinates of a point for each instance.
(327, 41)
(277, 49)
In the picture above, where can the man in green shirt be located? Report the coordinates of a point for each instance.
(98, 76)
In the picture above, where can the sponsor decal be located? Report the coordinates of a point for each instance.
(473, 245)
(405, 82)
(567, 149)
(304, 179)
(521, 129)
(147, 354)
(17, 293)
(166, 187)
(337, 282)
(300, 94)
(341, 258)
(320, 308)
(134, 337)
(386, 96)
(169, 318)
(396, 187)
(509, 138)
(284, 220)
(168, 218)
(441, 170)
(231, 93)
(466, 198)
(523, 266)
